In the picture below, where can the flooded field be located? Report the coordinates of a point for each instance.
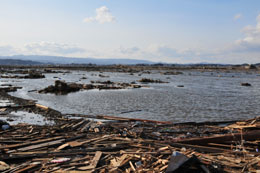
(17, 117)
(191, 96)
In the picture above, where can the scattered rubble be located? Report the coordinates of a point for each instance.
(122, 144)
(131, 145)
(180, 86)
(146, 80)
(31, 75)
(9, 88)
(125, 144)
(171, 73)
(103, 76)
(246, 84)
(83, 77)
(62, 87)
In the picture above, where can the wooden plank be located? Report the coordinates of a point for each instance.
(248, 136)
(42, 106)
(106, 117)
(76, 143)
(28, 143)
(26, 169)
(116, 162)
(201, 148)
(32, 147)
(62, 147)
(96, 159)
(93, 163)
(86, 126)
(78, 124)
(132, 166)
(132, 119)
(229, 146)
(208, 149)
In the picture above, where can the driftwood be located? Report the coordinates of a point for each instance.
(129, 145)
(249, 136)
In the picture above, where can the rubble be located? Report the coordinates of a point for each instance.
(131, 145)
(30, 75)
(61, 87)
(146, 80)
(172, 73)
(246, 84)
(77, 143)
(103, 76)
(125, 144)
(180, 86)
(9, 88)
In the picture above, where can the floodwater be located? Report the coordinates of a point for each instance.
(206, 96)
(14, 118)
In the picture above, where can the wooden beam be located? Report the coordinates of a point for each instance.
(248, 136)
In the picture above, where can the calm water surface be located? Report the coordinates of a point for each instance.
(206, 96)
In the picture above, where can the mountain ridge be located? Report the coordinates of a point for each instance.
(70, 60)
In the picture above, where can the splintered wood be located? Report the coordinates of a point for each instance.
(81, 145)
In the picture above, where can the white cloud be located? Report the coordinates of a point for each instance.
(251, 40)
(51, 48)
(160, 53)
(173, 52)
(238, 16)
(103, 15)
(6, 50)
(131, 50)
(167, 51)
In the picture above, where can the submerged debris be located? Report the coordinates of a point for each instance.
(125, 144)
(103, 76)
(172, 73)
(31, 75)
(9, 88)
(180, 86)
(146, 80)
(61, 87)
(122, 144)
(246, 84)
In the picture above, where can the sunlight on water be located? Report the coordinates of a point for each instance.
(207, 96)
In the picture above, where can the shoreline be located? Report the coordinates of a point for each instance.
(143, 145)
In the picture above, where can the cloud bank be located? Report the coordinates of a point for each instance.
(243, 50)
(251, 41)
(103, 15)
(44, 48)
(7, 50)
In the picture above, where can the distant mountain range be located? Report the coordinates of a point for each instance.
(18, 62)
(56, 60)
(38, 59)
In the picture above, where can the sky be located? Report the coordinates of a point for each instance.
(173, 31)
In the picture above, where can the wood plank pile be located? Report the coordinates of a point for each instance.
(82, 145)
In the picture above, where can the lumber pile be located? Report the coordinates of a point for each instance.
(81, 145)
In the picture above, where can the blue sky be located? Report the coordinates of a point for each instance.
(177, 31)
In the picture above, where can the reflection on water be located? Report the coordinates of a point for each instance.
(208, 96)
(14, 118)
